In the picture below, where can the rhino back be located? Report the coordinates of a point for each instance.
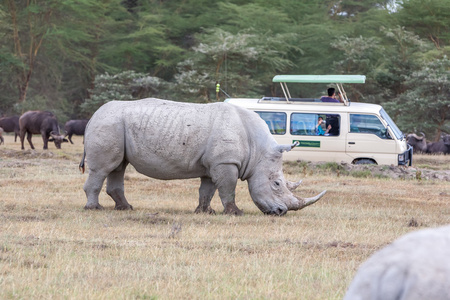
(168, 140)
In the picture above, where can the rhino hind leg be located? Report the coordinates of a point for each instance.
(206, 192)
(92, 188)
(225, 178)
(115, 187)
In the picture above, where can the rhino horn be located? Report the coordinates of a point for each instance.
(293, 185)
(303, 202)
(286, 148)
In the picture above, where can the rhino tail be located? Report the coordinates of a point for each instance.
(81, 166)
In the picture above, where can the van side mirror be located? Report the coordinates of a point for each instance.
(388, 133)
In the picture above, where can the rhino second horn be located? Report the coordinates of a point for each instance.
(291, 185)
(303, 202)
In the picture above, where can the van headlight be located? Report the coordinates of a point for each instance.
(401, 157)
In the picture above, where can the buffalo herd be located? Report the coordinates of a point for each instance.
(421, 145)
(44, 123)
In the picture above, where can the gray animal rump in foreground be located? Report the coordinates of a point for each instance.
(415, 266)
(218, 142)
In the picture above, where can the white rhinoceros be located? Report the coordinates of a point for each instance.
(414, 267)
(218, 142)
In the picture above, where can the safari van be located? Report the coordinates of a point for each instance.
(351, 132)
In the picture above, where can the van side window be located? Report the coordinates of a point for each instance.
(367, 124)
(276, 121)
(314, 124)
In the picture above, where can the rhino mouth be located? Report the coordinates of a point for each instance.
(276, 212)
(271, 210)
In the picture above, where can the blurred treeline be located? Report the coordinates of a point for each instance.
(71, 56)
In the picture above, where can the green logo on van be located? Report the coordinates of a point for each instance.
(311, 144)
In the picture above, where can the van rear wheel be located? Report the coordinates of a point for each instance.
(365, 161)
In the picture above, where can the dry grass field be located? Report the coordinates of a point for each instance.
(51, 248)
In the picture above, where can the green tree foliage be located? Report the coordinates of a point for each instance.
(402, 55)
(199, 73)
(138, 41)
(427, 18)
(349, 9)
(51, 47)
(233, 60)
(27, 26)
(360, 56)
(124, 86)
(425, 105)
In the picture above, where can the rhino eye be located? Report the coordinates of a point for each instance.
(277, 183)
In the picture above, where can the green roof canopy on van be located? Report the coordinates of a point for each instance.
(320, 78)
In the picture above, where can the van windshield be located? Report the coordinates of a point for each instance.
(397, 132)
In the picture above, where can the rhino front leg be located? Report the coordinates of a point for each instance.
(206, 192)
(115, 187)
(225, 178)
(92, 188)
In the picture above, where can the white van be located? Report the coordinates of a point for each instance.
(356, 133)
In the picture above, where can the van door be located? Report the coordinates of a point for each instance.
(369, 138)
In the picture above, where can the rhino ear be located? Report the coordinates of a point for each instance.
(286, 148)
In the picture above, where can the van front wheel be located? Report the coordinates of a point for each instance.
(365, 161)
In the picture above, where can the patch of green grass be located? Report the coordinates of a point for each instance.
(333, 167)
(295, 167)
(427, 166)
(361, 174)
(380, 176)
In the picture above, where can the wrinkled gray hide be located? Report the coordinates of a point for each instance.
(219, 142)
(415, 266)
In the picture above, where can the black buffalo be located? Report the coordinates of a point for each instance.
(10, 124)
(76, 127)
(446, 140)
(43, 122)
(440, 147)
(419, 143)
